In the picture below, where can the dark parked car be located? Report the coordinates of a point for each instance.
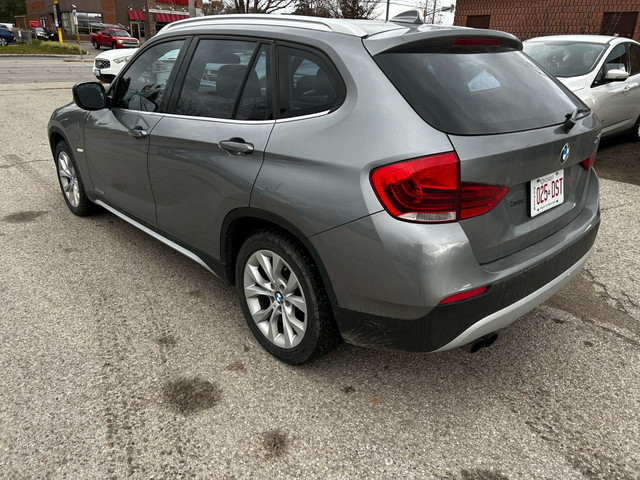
(42, 34)
(6, 37)
(393, 184)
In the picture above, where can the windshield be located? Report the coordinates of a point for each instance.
(565, 59)
(119, 33)
(478, 93)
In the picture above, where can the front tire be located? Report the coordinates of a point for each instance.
(283, 299)
(113, 46)
(635, 133)
(95, 45)
(3, 42)
(70, 182)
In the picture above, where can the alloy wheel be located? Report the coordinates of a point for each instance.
(275, 299)
(68, 179)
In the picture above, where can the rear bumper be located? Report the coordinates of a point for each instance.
(452, 325)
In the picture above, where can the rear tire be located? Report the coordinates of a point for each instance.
(283, 299)
(3, 42)
(70, 182)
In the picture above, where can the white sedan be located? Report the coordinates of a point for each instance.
(108, 64)
(604, 72)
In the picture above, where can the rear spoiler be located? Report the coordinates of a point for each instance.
(428, 39)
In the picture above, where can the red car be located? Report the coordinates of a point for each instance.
(113, 38)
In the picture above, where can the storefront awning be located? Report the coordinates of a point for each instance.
(136, 15)
(169, 17)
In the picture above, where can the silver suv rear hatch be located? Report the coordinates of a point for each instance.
(507, 121)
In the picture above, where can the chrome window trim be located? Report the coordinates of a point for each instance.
(303, 117)
(223, 120)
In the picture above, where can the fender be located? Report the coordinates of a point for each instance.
(227, 250)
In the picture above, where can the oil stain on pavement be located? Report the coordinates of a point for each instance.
(188, 396)
(23, 217)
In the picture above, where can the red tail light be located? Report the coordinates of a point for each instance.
(476, 41)
(587, 163)
(428, 189)
(464, 295)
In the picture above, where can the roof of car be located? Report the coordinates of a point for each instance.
(357, 28)
(604, 39)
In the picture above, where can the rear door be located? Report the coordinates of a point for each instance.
(117, 138)
(205, 156)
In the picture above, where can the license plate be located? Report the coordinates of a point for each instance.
(547, 192)
(96, 71)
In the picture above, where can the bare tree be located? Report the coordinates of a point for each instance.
(313, 8)
(259, 6)
(214, 7)
(353, 8)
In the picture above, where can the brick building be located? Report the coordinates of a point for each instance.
(532, 18)
(139, 16)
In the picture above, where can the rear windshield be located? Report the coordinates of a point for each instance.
(565, 59)
(478, 93)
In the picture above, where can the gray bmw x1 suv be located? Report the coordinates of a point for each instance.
(392, 184)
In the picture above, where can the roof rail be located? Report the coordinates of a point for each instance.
(313, 23)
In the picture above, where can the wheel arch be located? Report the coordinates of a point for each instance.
(240, 223)
(55, 136)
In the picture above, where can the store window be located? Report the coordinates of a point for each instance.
(86, 19)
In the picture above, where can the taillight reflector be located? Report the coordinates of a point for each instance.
(428, 189)
(587, 163)
(464, 295)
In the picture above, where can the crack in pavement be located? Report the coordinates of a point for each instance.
(10, 165)
(618, 305)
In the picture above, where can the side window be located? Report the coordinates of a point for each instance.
(618, 59)
(143, 84)
(634, 54)
(306, 83)
(216, 75)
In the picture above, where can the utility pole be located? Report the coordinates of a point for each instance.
(57, 18)
(387, 17)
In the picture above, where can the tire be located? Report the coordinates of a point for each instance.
(635, 133)
(294, 326)
(95, 45)
(3, 42)
(70, 182)
(113, 46)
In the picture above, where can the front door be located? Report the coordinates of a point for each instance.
(117, 139)
(616, 101)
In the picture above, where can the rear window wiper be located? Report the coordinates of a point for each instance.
(572, 117)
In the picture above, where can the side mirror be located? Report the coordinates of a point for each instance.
(89, 95)
(616, 75)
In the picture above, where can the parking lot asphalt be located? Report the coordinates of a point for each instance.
(121, 358)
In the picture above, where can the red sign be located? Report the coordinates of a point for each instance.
(34, 23)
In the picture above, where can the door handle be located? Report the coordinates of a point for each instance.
(236, 146)
(138, 133)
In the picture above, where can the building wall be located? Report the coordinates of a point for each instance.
(532, 18)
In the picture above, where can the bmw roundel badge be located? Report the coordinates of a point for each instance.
(564, 154)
